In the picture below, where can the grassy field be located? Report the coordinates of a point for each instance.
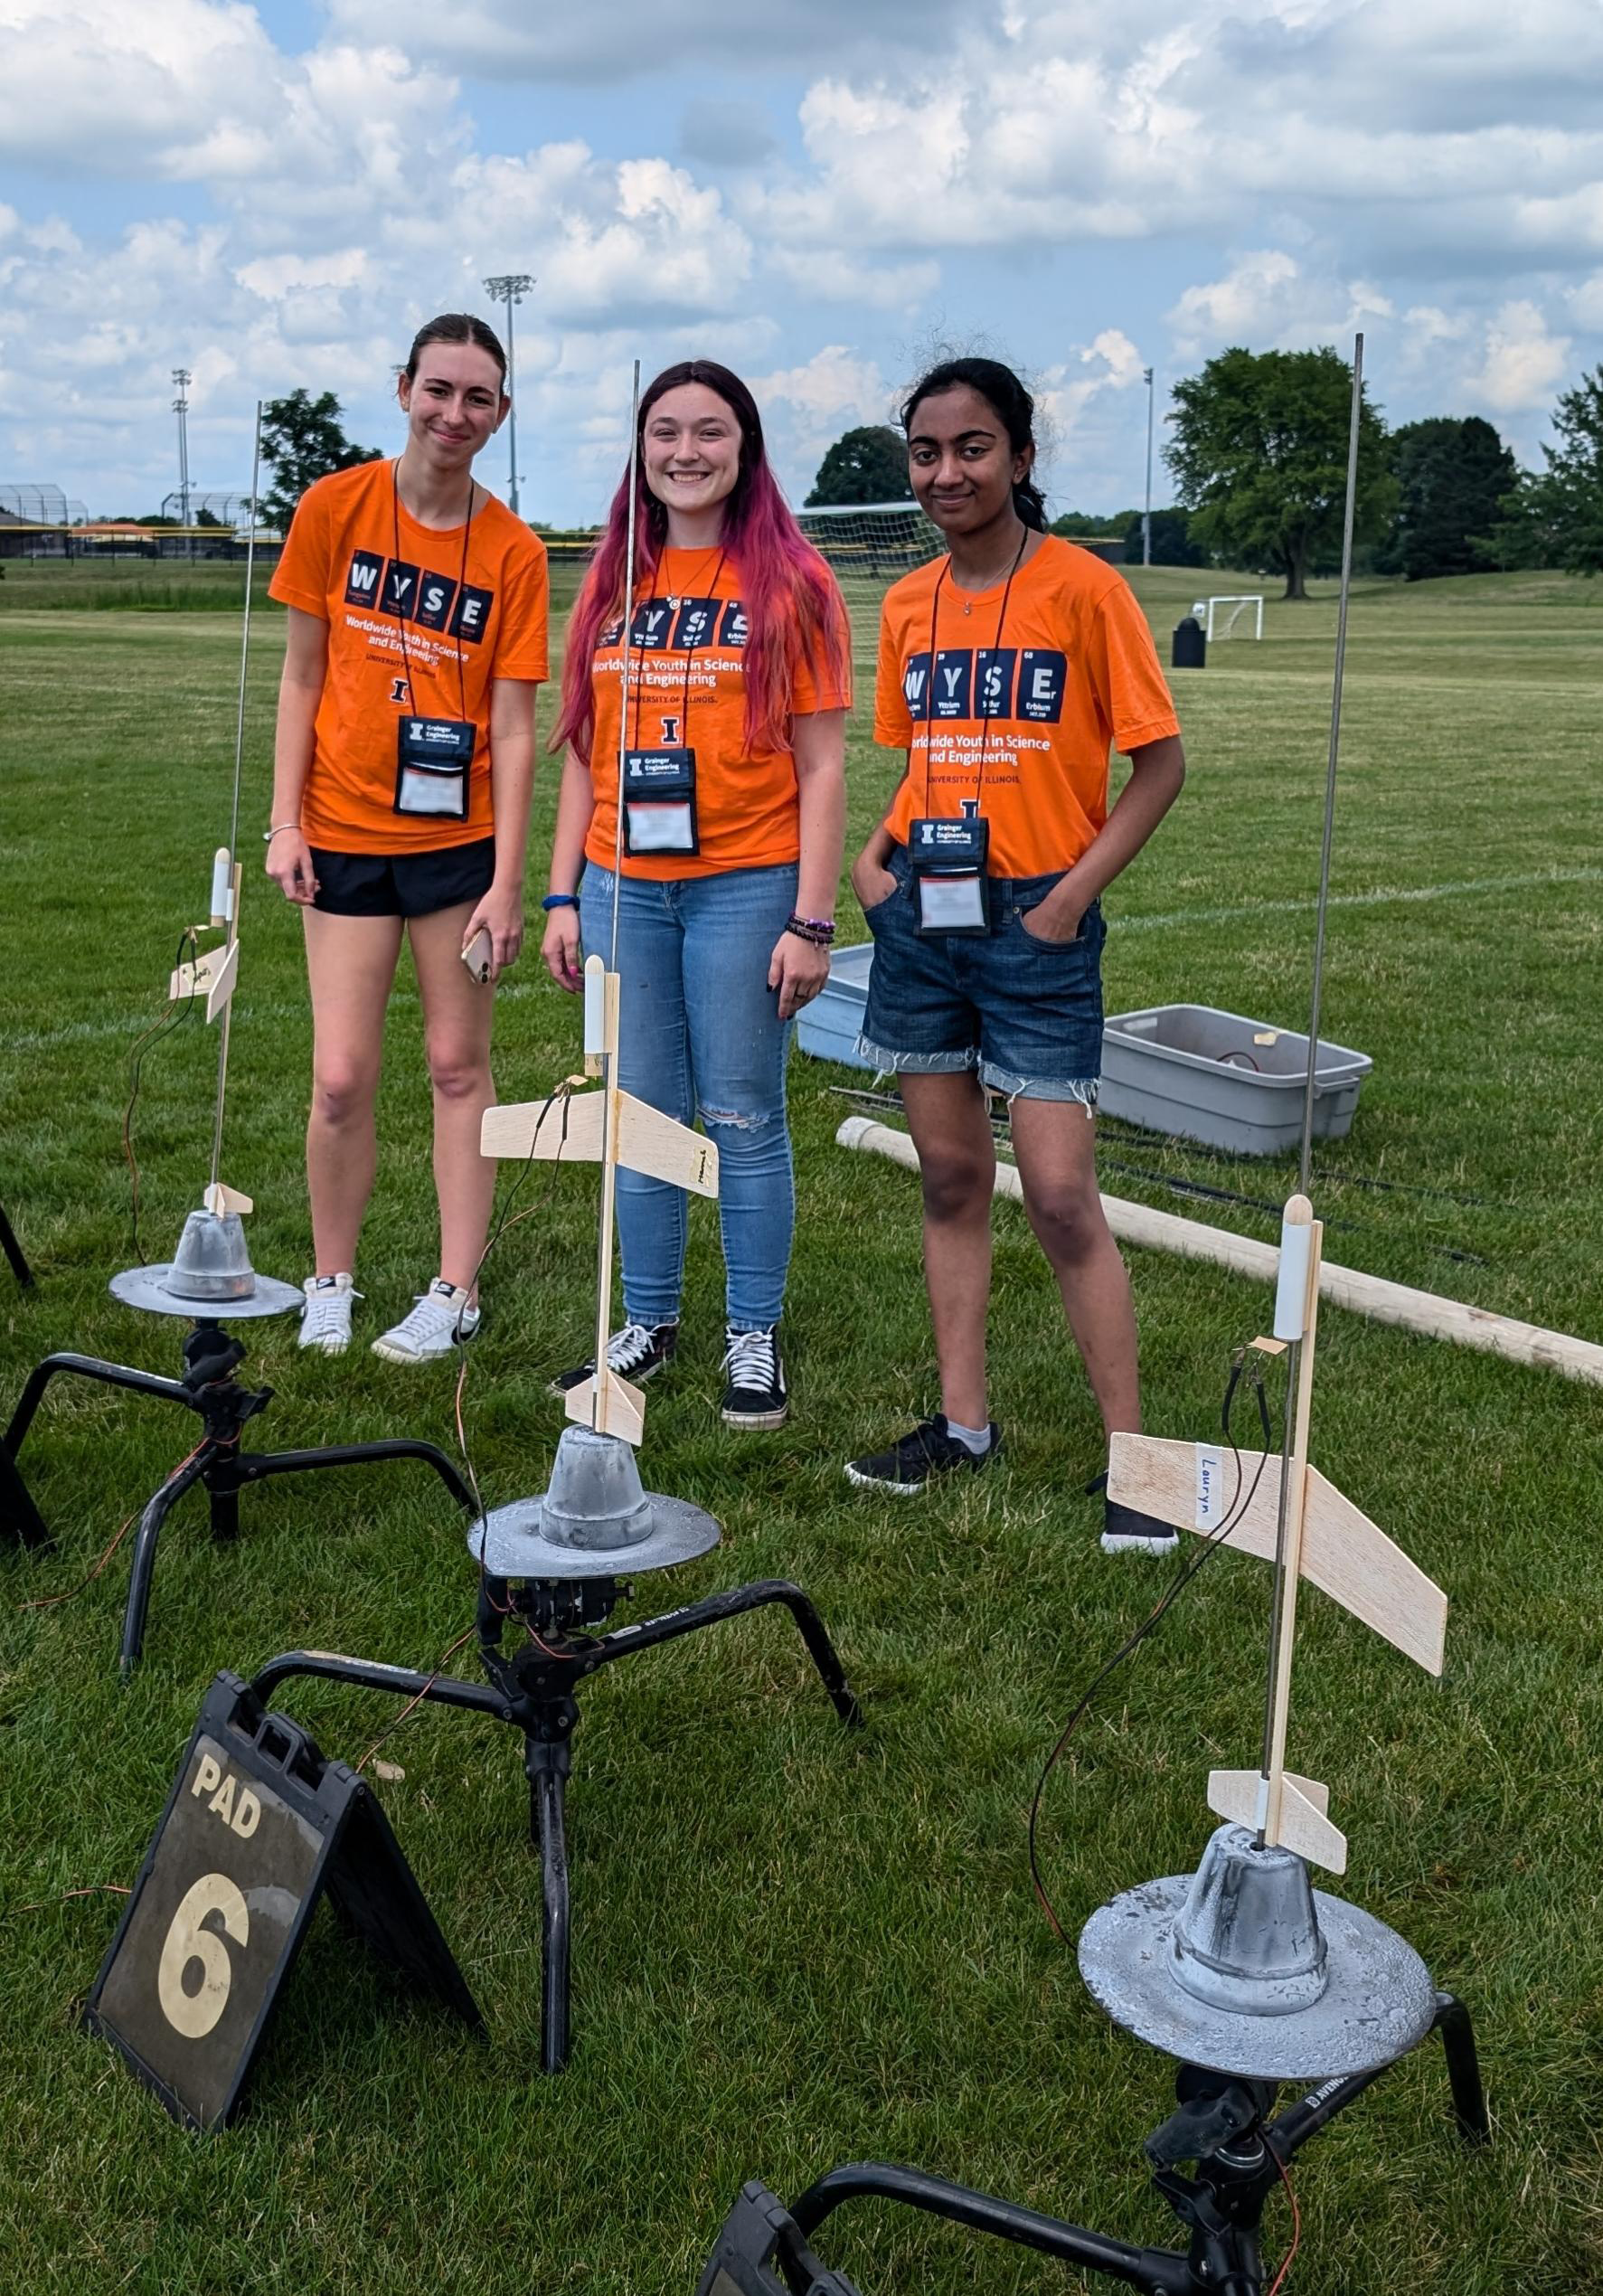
(793, 1948)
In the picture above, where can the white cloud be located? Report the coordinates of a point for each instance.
(832, 392)
(1586, 303)
(1438, 126)
(1524, 364)
(831, 275)
(1269, 301)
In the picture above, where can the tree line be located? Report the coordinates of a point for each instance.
(1259, 455)
(1257, 452)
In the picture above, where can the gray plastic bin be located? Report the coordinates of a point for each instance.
(830, 1026)
(1218, 1077)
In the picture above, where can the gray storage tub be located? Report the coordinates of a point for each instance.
(830, 1026)
(1218, 1077)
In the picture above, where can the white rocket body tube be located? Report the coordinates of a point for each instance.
(1291, 1289)
(595, 1008)
(222, 887)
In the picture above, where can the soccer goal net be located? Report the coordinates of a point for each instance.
(869, 547)
(1219, 615)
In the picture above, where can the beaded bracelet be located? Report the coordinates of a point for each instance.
(819, 930)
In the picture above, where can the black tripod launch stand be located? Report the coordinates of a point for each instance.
(209, 1388)
(1222, 2124)
(535, 1690)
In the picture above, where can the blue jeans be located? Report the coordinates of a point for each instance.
(699, 1033)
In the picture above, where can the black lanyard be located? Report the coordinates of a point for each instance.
(689, 651)
(979, 787)
(411, 699)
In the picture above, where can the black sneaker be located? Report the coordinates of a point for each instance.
(929, 1452)
(754, 1392)
(1126, 1530)
(633, 1352)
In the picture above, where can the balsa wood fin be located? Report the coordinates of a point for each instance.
(664, 1149)
(1344, 1555)
(569, 1130)
(1304, 1824)
(211, 976)
(219, 1199)
(619, 1409)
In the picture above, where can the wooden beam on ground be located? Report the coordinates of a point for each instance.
(1349, 1288)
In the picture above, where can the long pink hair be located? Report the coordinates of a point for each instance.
(792, 611)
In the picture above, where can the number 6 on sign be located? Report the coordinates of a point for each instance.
(188, 1986)
(194, 2013)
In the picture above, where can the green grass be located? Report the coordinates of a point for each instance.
(124, 585)
(794, 1948)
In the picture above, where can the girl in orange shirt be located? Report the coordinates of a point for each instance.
(1008, 668)
(733, 734)
(401, 777)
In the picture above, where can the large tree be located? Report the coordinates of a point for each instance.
(1554, 517)
(1260, 456)
(302, 440)
(1452, 478)
(867, 464)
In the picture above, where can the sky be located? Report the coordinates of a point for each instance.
(816, 192)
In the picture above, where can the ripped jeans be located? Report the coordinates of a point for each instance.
(701, 1034)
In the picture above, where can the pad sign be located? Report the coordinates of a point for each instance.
(255, 1828)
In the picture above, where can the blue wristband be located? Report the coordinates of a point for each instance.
(560, 901)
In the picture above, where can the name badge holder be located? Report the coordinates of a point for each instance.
(952, 891)
(433, 755)
(659, 802)
(433, 763)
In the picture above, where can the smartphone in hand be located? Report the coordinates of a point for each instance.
(477, 955)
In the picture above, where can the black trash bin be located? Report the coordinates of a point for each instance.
(1190, 650)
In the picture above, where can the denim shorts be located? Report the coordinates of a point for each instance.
(1023, 1015)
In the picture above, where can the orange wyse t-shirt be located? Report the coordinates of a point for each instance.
(355, 559)
(687, 689)
(1019, 719)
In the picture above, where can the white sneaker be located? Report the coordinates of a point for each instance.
(438, 1316)
(325, 1319)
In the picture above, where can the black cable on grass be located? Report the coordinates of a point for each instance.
(1133, 1642)
(177, 1010)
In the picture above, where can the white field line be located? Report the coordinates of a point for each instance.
(95, 1031)
(1376, 900)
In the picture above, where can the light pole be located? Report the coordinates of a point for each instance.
(1146, 514)
(510, 288)
(183, 378)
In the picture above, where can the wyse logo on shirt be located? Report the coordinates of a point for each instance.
(683, 625)
(419, 595)
(1022, 682)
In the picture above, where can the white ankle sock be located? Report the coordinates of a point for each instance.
(975, 1439)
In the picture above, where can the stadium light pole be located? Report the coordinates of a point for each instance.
(183, 378)
(1146, 514)
(510, 288)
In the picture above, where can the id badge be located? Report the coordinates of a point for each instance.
(433, 761)
(659, 801)
(951, 892)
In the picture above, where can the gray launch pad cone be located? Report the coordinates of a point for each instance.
(209, 1276)
(593, 1522)
(1245, 1968)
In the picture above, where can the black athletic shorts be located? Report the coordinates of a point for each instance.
(403, 884)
